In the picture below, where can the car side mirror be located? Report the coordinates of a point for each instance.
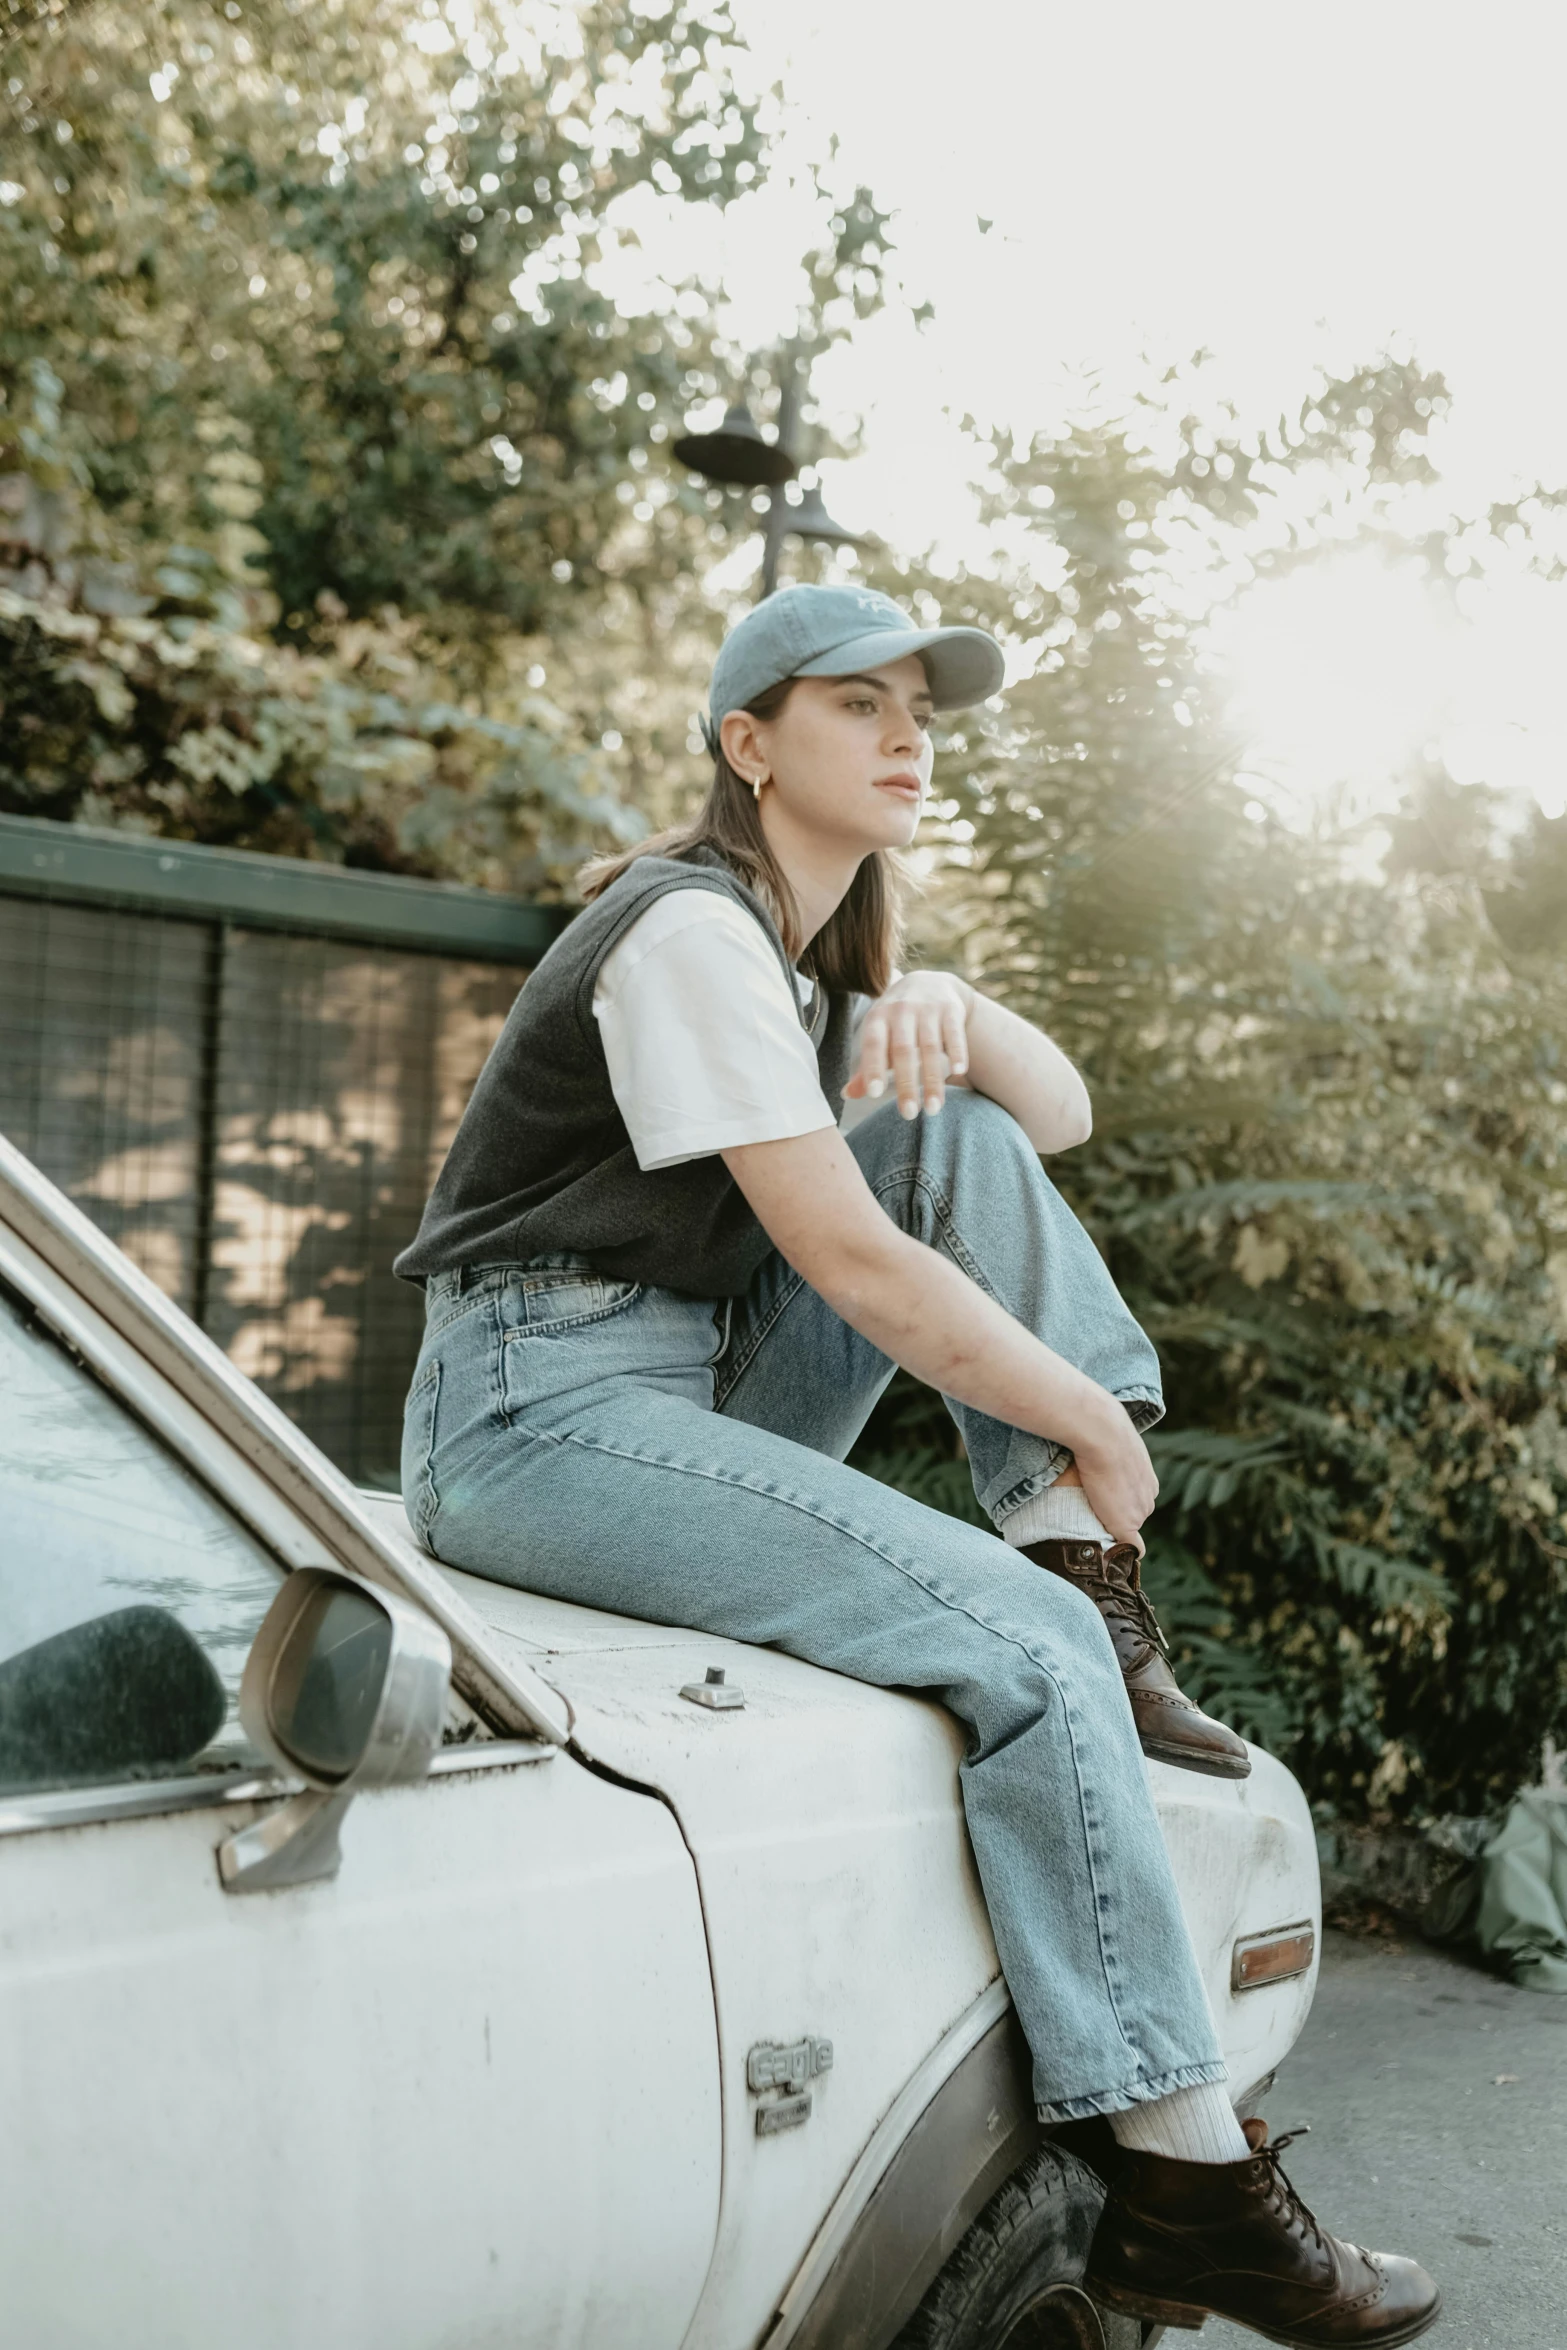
(345, 1687)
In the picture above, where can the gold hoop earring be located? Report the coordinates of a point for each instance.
(757, 782)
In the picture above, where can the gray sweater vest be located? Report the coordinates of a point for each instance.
(542, 1161)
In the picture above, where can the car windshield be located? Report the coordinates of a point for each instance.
(99, 1521)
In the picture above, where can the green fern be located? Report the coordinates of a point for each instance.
(1202, 1465)
(1235, 1681)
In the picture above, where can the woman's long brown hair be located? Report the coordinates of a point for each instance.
(859, 946)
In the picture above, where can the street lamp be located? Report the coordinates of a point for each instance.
(737, 456)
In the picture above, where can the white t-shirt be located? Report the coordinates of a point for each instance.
(705, 1050)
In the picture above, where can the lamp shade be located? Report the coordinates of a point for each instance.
(809, 519)
(737, 454)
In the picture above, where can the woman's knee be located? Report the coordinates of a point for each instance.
(1066, 1622)
(1056, 1678)
(970, 1140)
(972, 1121)
(1030, 1628)
(975, 1147)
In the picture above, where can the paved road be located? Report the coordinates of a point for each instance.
(1437, 2097)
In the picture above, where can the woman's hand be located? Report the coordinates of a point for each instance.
(931, 1030)
(917, 1031)
(1118, 1476)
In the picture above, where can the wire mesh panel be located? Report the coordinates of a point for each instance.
(341, 1073)
(256, 1115)
(103, 1044)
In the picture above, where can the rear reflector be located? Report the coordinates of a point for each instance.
(1270, 1958)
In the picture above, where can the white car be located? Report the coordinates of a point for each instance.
(391, 1960)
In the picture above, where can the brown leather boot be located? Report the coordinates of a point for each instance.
(1179, 2241)
(1171, 1727)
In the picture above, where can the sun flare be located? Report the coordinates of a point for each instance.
(1337, 676)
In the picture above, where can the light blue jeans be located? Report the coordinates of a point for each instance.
(681, 1460)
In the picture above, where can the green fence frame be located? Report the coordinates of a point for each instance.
(87, 866)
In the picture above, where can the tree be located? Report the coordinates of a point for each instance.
(1330, 1139)
(365, 241)
(335, 490)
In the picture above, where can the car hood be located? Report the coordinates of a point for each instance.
(811, 1748)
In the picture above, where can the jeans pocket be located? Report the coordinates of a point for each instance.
(551, 1304)
(420, 1498)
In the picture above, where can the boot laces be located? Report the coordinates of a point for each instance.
(1125, 1596)
(1281, 2195)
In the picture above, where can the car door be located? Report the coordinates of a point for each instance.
(463, 2093)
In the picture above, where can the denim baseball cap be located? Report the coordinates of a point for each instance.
(834, 631)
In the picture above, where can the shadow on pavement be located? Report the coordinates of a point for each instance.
(1437, 2099)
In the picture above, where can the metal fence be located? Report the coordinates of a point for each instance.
(247, 1070)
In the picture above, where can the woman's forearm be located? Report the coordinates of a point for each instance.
(913, 1304)
(925, 1313)
(1016, 1065)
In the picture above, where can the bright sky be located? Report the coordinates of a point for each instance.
(1285, 187)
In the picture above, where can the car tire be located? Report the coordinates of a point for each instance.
(1014, 2282)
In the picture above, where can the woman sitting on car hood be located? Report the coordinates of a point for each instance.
(664, 1290)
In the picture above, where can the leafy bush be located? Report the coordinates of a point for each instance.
(149, 693)
(336, 511)
(1331, 1112)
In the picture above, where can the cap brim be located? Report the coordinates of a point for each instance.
(964, 665)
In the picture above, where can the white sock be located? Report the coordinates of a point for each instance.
(1190, 2125)
(1059, 1514)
